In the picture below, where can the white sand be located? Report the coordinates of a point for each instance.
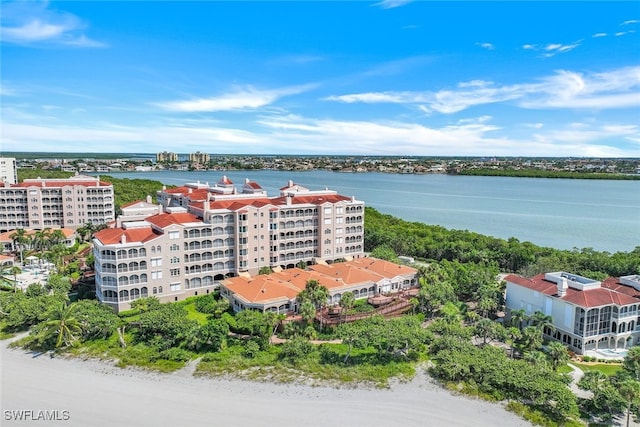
(97, 394)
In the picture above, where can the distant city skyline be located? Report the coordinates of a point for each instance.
(391, 77)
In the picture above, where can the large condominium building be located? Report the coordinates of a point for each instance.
(166, 156)
(8, 170)
(56, 203)
(587, 314)
(198, 157)
(207, 233)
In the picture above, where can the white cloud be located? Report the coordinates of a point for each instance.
(631, 21)
(488, 46)
(599, 35)
(247, 98)
(390, 4)
(293, 134)
(552, 49)
(565, 89)
(31, 23)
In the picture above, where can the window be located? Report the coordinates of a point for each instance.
(175, 272)
(175, 260)
(327, 221)
(327, 241)
(339, 211)
(327, 211)
(156, 262)
(242, 229)
(160, 289)
(174, 248)
(338, 230)
(339, 220)
(174, 235)
(155, 290)
(175, 287)
(338, 240)
(155, 275)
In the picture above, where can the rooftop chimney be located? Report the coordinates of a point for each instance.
(148, 198)
(123, 239)
(563, 285)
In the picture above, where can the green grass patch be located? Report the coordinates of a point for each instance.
(606, 368)
(194, 314)
(564, 369)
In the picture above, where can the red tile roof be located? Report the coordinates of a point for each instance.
(382, 267)
(254, 185)
(614, 284)
(166, 219)
(234, 205)
(112, 236)
(311, 199)
(590, 298)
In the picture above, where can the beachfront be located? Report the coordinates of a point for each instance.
(97, 394)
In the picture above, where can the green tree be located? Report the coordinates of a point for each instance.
(531, 338)
(631, 362)
(629, 390)
(96, 320)
(61, 326)
(385, 252)
(558, 354)
(542, 321)
(146, 304)
(212, 336)
(518, 318)
(347, 300)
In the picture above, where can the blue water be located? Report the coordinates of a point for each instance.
(559, 213)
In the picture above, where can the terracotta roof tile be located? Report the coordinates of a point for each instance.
(112, 236)
(166, 219)
(589, 298)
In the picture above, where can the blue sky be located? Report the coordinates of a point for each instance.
(376, 78)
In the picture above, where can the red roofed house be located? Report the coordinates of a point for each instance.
(56, 203)
(278, 292)
(587, 314)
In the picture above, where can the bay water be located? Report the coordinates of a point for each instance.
(559, 213)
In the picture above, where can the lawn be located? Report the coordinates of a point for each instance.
(605, 368)
(194, 314)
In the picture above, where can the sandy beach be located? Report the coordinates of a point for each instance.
(94, 393)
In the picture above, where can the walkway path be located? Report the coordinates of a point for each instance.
(576, 375)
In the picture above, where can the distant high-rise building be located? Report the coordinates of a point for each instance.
(166, 156)
(8, 170)
(198, 157)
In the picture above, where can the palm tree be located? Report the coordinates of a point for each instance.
(558, 354)
(347, 300)
(542, 321)
(62, 325)
(536, 358)
(19, 238)
(513, 335)
(531, 338)
(518, 317)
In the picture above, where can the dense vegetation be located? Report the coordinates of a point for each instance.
(432, 242)
(537, 173)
